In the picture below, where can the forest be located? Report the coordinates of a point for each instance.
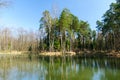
(66, 33)
(39, 43)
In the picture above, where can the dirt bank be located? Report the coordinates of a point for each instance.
(80, 53)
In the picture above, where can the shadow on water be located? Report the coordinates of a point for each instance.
(60, 68)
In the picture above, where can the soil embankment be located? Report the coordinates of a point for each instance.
(80, 54)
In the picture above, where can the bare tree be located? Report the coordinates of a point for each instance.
(55, 13)
(5, 39)
(4, 3)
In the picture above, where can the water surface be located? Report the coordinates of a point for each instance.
(60, 69)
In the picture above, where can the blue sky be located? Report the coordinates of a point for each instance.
(27, 13)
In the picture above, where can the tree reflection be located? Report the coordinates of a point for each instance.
(60, 69)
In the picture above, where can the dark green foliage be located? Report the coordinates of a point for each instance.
(57, 45)
(30, 48)
(110, 27)
(68, 33)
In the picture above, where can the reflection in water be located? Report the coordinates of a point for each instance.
(60, 69)
(98, 75)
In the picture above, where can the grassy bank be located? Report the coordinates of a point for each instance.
(27, 54)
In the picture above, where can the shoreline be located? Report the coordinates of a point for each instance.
(57, 54)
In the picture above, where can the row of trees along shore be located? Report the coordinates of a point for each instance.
(66, 33)
(18, 39)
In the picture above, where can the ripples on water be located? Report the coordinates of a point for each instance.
(60, 69)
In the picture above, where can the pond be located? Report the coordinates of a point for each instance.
(60, 69)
